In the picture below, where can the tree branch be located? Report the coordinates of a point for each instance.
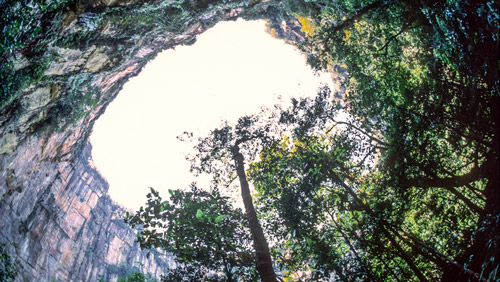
(403, 29)
(360, 13)
(380, 142)
(439, 254)
(455, 181)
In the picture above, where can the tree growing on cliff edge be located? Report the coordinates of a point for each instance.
(201, 229)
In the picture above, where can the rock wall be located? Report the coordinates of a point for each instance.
(64, 227)
(56, 218)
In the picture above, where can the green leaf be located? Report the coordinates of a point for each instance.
(199, 214)
(219, 218)
(308, 241)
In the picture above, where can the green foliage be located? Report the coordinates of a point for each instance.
(400, 189)
(137, 276)
(189, 273)
(7, 267)
(23, 23)
(79, 101)
(334, 211)
(201, 229)
(222, 153)
(14, 82)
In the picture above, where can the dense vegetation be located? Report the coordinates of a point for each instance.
(137, 276)
(23, 24)
(396, 181)
(200, 229)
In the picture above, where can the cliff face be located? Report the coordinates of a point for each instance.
(56, 218)
(62, 226)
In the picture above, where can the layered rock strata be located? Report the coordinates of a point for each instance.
(57, 220)
(62, 226)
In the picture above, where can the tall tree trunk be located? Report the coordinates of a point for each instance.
(264, 263)
(227, 269)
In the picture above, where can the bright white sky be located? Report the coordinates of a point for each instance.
(230, 71)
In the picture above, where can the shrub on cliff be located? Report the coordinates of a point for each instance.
(7, 267)
(137, 276)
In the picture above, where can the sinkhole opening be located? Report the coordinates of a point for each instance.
(231, 70)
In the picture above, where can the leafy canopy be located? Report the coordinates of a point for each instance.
(200, 228)
(405, 187)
